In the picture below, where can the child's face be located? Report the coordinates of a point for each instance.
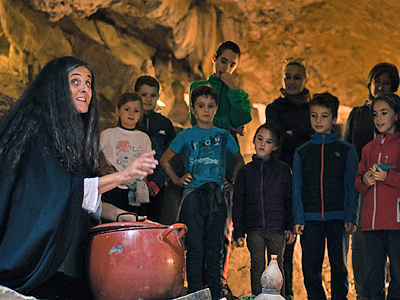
(227, 62)
(321, 119)
(294, 80)
(130, 113)
(384, 117)
(204, 109)
(264, 143)
(381, 84)
(149, 97)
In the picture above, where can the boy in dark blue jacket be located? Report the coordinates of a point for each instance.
(325, 202)
(161, 132)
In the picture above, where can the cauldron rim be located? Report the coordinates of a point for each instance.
(123, 226)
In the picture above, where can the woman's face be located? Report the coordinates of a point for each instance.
(80, 83)
(294, 80)
(381, 84)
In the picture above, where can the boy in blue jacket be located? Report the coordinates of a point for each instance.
(161, 132)
(325, 202)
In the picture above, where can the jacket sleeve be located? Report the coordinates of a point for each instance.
(362, 169)
(348, 134)
(239, 206)
(287, 188)
(272, 115)
(300, 134)
(298, 211)
(392, 179)
(240, 108)
(170, 134)
(351, 199)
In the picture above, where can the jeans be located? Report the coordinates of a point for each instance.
(313, 251)
(358, 258)
(288, 268)
(378, 245)
(204, 241)
(258, 241)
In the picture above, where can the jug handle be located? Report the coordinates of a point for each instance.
(177, 226)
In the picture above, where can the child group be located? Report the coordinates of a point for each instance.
(303, 180)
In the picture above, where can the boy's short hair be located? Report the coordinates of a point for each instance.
(228, 45)
(203, 90)
(326, 100)
(394, 103)
(388, 68)
(147, 80)
(276, 136)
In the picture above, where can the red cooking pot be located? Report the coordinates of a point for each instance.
(136, 260)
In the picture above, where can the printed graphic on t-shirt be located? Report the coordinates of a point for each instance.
(126, 153)
(207, 158)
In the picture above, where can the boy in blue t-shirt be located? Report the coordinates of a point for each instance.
(204, 207)
(325, 201)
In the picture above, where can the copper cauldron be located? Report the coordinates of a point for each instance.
(136, 260)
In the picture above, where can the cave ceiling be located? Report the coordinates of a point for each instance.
(174, 40)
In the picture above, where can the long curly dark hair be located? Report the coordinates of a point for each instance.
(46, 106)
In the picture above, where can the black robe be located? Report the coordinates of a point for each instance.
(39, 216)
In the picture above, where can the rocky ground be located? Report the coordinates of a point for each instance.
(239, 274)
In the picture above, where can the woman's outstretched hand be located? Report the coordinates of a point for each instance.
(140, 167)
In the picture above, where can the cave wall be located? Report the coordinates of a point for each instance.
(175, 41)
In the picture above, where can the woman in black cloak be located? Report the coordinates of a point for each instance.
(49, 185)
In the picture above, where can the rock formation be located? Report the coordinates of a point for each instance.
(174, 40)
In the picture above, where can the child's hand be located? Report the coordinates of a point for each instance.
(350, 228)
(290, 237)
(228, 186)
(378, 174)
(184, 180)
(368, 178)
(298, 229)
(228, 80)
(152, 193)
(240, 242)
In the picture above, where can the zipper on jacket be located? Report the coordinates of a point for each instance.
(322, 176)
(148, 123)
(398, 209)
(379, 161)
(262, 194)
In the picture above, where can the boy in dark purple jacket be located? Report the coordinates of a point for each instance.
(262, 204)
